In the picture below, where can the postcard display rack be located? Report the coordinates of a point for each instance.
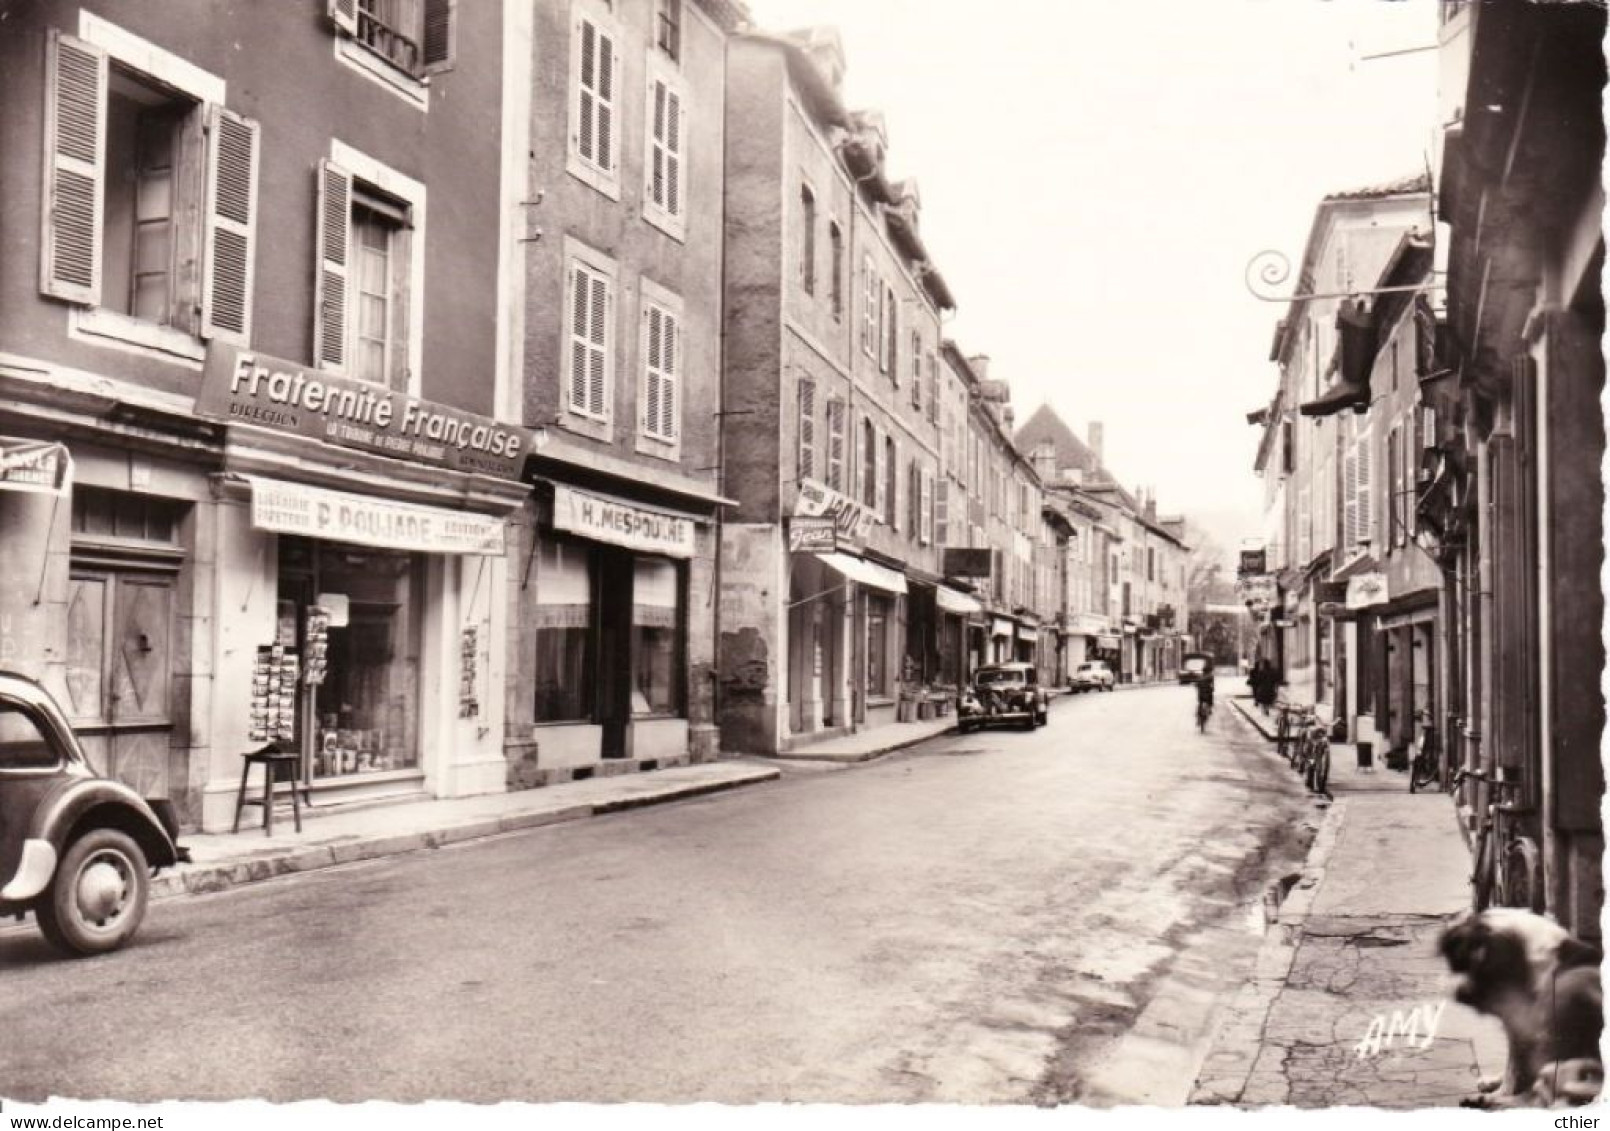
(274, 678)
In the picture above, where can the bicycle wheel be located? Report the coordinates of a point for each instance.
(1321, 773)
(1521, 882)
(1483, 879)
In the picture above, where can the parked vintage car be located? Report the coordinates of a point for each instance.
(1195, 666)
(1003, 693)
(1092, 675)
(76, 849)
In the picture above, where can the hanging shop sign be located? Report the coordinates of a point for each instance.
(812, 534)
(1087, 624)
(244, 387)
(1107, 643)
(1366, 589)
(999, 627)
(32, 465)
(314, 512)
(817, 500)
(620, 523)
(1253, 562)
(1258, 593)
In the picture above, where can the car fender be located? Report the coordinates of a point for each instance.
(110, 804)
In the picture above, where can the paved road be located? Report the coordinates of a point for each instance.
(977, 920)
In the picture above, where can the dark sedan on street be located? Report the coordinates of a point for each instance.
(1003, 693)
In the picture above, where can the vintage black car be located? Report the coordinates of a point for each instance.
(76, 849)
(1003, 693)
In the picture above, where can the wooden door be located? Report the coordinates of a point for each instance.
(120, 673)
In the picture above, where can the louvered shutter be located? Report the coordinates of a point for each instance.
(835, 445)
(595, 136)
(927, 516)
(597, 344)
(892, 335)
(653, 359)
(880, 475)
(1349, 502)
(330, 286)
(580, 300)
(806, 463)
(226, 289)
(439, 39)
(345, 15)
(75, 169)
(942, 511)
(896, 485)
(1366, 485)
(666, 130)
(670, 377)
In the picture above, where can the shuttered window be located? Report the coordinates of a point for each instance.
(418, 37)
(889, 484)
(363, 283)
(150, 199)
(594, 131)
(871, 490)
(835, 445)
(888, 361)
(662, 353)
(806, 463)
(807, 240)
(590, 318)
(330, 297)
(942, 511)
(665, 188)
(916, 369)
(871, 297)
(835, 239)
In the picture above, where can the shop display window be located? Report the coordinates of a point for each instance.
(565, 635)
(353, 615)
(656, 637)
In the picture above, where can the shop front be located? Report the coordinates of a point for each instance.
(614, 649)
(957, 610)
(360, 608)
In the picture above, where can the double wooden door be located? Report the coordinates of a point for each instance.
(120, 673)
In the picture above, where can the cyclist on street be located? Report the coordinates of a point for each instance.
(1204, 696)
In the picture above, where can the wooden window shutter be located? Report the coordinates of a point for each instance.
(916, 369)
(580, 297)
(75, 169)
(439, 37)
(806, 464)
(1366, 485)
(897, 484)
(942, 511)
(675, 128)
(670, 377)
(1349, 503)
(344, 14)
(652, 360)
(880, 475)
(599, 67)
(835, 445)
(330, 286)
(592, 334)
(231, 215)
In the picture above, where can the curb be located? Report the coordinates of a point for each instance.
(1236, 1039)
(859, 755)
(206, 879)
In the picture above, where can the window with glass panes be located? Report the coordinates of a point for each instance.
(564, 630)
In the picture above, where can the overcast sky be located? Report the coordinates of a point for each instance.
(1096, 175)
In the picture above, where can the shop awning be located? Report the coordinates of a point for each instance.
(863, 572)
(365, 520)
(999, 627)
(955, 602)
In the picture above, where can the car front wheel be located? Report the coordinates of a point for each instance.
(98, 897)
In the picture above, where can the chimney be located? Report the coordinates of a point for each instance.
(1151, 506)
(1044, 459)
(980, 364)
(1095, 440)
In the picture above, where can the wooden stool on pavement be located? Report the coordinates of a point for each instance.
(278, 765)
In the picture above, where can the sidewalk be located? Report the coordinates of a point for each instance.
(226, 860)
(1329, 1017)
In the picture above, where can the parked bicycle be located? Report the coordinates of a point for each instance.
(1305, 742)
(1426, 767)
(1506, 863)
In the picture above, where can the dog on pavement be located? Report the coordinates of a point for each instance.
(1542, 984)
